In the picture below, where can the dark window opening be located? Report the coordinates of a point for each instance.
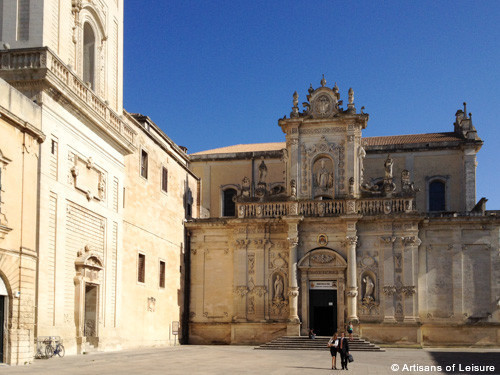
(144, 164)
(162, 274)
(437, 200)
(164, 180)
(229, 206)
(141, 274)
(89, 55)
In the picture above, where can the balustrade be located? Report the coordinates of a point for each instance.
(43, 58)
(371, 206)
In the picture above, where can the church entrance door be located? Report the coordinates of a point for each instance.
(323, 311)
(90, 328)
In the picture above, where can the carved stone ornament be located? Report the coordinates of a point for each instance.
(293, 292)
(87, 178)
(389, 290)
(294, 241)
(151, 304)
(351, 240)
(322, 258)
(241, 291)
(408, 290)
(322, 240)
(388, 239)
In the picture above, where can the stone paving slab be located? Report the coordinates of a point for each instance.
(194, 359)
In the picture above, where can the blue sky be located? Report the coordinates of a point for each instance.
(218, 73)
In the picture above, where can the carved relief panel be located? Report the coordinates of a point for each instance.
(87, 178)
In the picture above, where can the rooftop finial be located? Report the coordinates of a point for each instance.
(310, 89)
(335, 88)
(323, 81)
(295, 99)
(465, 109)
(351, 95)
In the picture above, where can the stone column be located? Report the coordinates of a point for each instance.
(293, 289)
(352, 285)
(293, 327)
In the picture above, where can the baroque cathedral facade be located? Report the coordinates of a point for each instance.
(112, 236)
(330, 227)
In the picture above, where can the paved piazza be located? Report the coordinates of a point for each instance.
(245, 360)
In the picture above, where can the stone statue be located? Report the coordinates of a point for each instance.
(369, 286)
(388, 167)
(361, 158)
(293, 189)
(278, 288)
(245, 187)
(262, 172)
(323, 175)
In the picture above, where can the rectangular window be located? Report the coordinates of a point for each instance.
(162, 274)
(53, 158)
(141, 268)
(164, 179)
(144, 164)
(23, 19)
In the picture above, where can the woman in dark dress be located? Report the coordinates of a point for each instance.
(333, 345)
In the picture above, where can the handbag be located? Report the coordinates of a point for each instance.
(349, 358)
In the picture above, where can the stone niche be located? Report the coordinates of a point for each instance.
(87, 177)
(323, 177)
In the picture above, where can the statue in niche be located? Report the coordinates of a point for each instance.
(293, 189)
(262, 172)
(324, 178)
(369, 287)
(388, 167)
(245, 187)
(361, 158)
(278, 288)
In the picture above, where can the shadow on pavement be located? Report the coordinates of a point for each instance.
(467, 362)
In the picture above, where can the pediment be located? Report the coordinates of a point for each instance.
(322, 258)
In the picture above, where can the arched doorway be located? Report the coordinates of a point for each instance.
(322, 280)
(4, 296)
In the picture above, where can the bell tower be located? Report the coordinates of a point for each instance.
(324, 144)
(85, 35)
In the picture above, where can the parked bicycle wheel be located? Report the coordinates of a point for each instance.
(49, 351)
(60, 350)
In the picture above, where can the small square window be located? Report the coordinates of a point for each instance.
(162, 274)
(141, 268)
(164, 179)
(144, 164)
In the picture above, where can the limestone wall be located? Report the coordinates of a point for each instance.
(154, 227)
(447, 165)
(81, 206)
(20, 135)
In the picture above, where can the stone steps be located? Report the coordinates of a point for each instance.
(320, 343)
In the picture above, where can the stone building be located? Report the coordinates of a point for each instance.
(331, 227)
(20, 124)
(95, 240)
(160, 195)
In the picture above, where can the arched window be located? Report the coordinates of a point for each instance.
(437, 201)
(89, 55)
(228, 205)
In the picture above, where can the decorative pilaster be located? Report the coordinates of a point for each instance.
(352, 286)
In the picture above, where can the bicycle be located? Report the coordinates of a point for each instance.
(50, 351)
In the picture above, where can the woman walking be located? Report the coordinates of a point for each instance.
(333, 345)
